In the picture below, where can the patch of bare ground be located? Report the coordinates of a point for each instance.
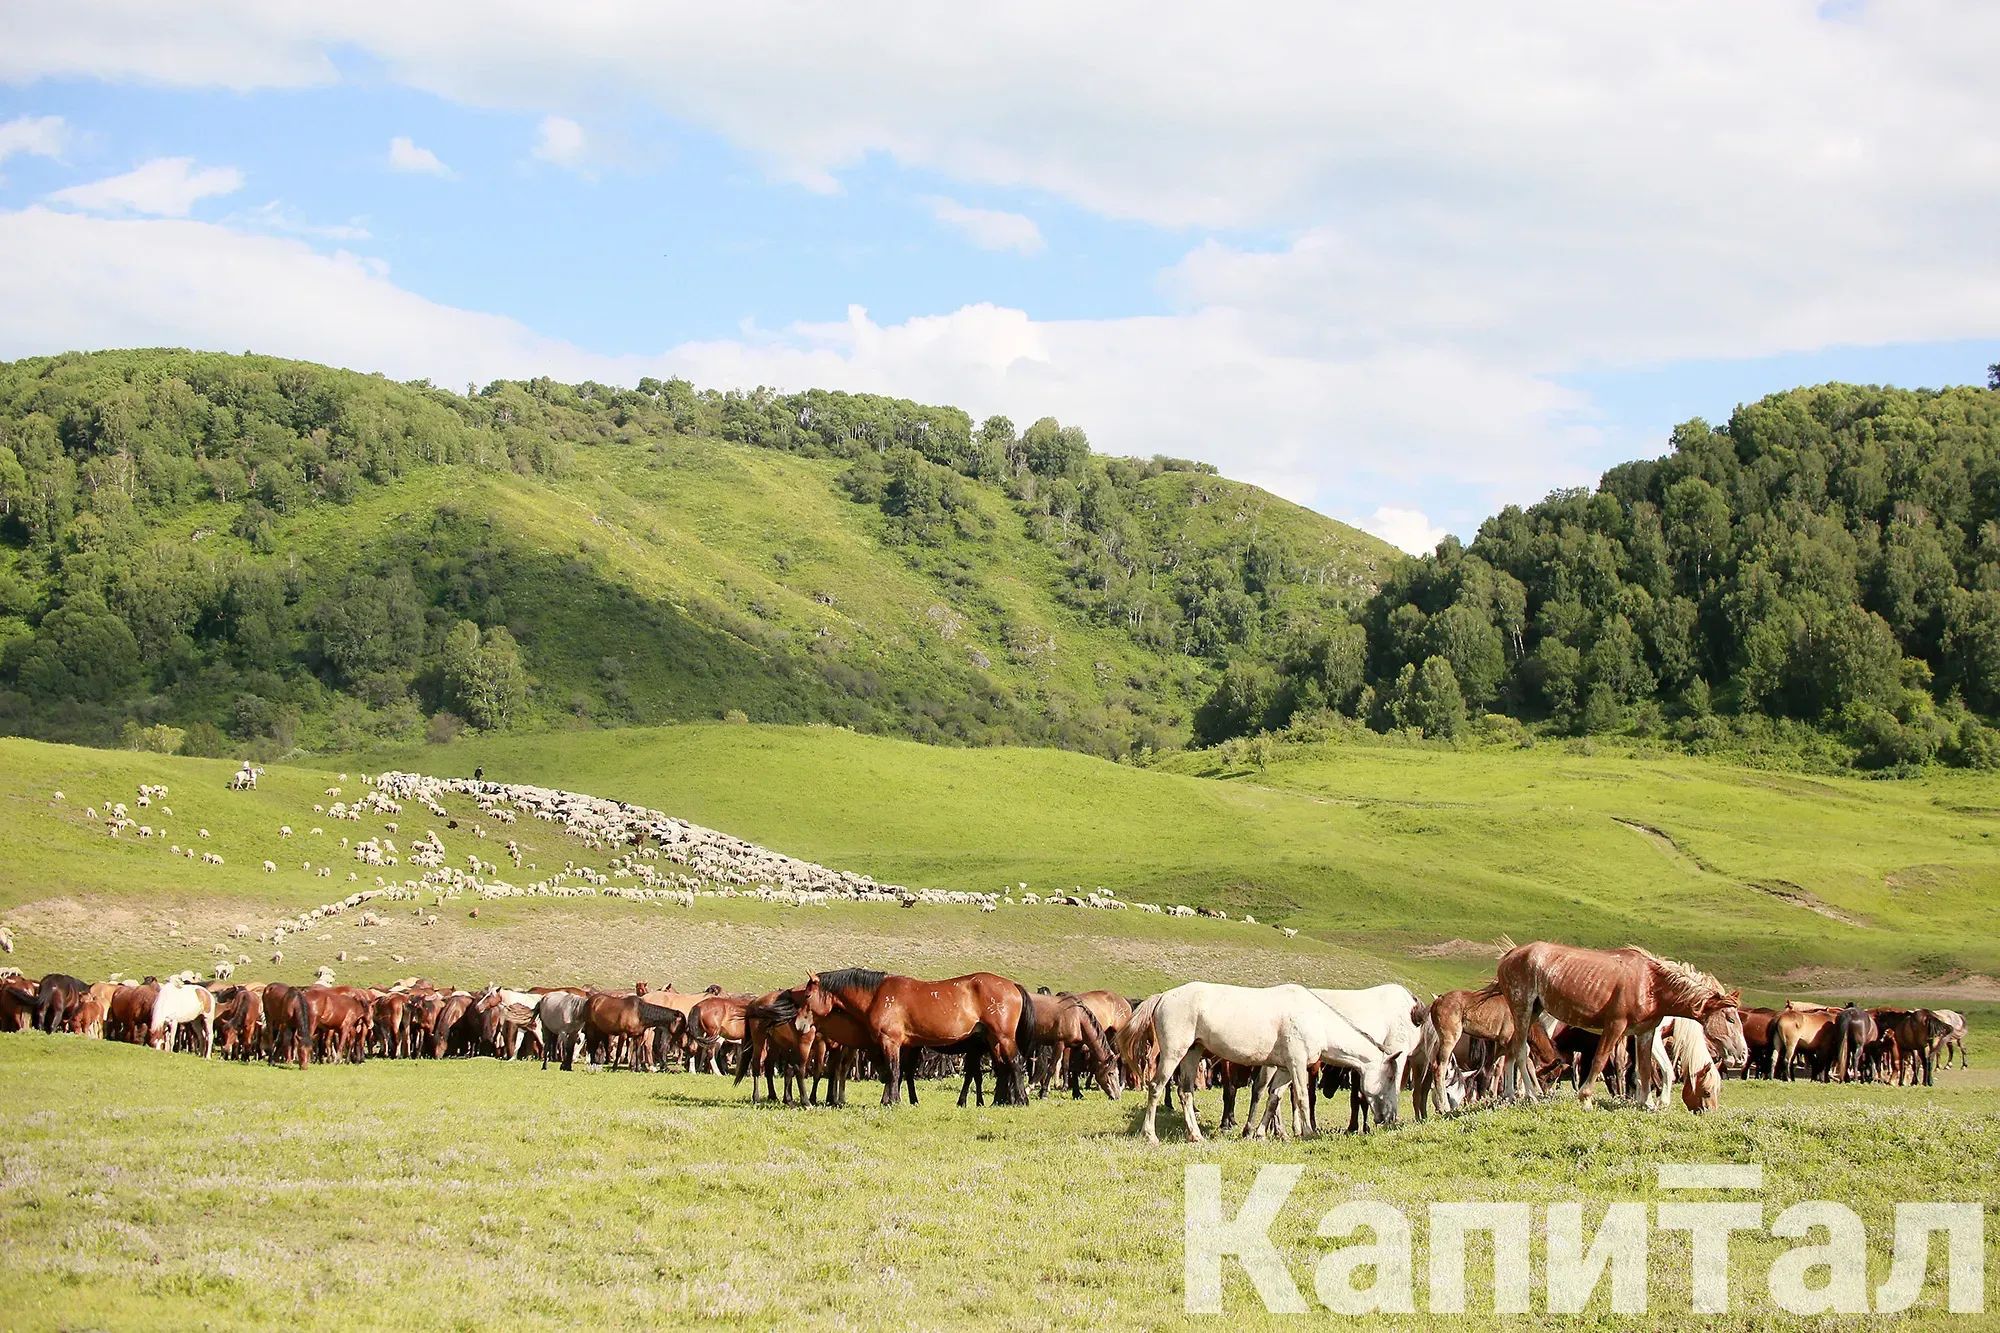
(1970, 987)
(1787, 891)
(1459, 949)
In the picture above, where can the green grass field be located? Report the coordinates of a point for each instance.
(142, 1190)
(139, 1190)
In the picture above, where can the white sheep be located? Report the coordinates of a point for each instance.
(201, 833)
(270, 867)
(59, 797)
(284, 830)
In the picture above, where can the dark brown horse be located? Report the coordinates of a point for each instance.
(612, 1021)
(131, 1014)
(777, 1040)
(288, 1019)
(1609, 991)
(903, 1013)
(1917, 1032)
(58, 994)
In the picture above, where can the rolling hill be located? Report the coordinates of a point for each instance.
(271, 554)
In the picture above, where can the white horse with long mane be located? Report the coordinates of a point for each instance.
(179, 1003)
(1389, 1016)
(1283, 1028)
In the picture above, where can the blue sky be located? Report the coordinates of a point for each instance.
(1480, 263)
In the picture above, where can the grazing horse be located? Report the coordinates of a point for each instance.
(1760, 1040)
(1609, 991)
(561, 1017)
(239, 1018)
(17, 1004)
(1389, 1016)
(288, 1018)
(1952, 1039)
(1854, 1028)
(610, 1018)
(897, 1013)
(1285, 1028)
(177, 1004)
(131, 1013)
(1800, 1027)
(1485, 1014)
(58, 993)
(1681, 1054)
(1917, 1032)
(1065, 1028)
(713, 1020)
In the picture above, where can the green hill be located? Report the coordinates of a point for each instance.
(1403, 863)
(266, 554)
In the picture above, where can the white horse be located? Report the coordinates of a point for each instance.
(530, 1001)
(1283, 1028)
(180, 1003)
(1390, 1017)
(1680, 1054)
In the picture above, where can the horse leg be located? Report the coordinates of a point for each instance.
(1608, 1043)
(1228, 1105)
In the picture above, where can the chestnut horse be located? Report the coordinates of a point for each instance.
(17, 1004)
(1481, 1013)
(1608, 991)
(59, 993)
(712, 1020)
(1917, 1032)
(904, 1013)
(1760, 1039)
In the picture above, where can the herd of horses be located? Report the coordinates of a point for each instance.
(1553, 1012)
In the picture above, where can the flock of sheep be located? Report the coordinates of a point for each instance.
(653, 858)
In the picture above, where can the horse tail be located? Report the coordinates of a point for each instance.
(751, 1036)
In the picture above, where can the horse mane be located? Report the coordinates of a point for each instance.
(783, 1008)
(852, 978)
(1684, 977)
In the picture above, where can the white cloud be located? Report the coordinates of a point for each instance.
(37, 136)
(278, 217)
(987, 228)
(1322, 431)
(164, 187)
(560, 141)
(1456, 203)
(1404, 528)
(406, 155)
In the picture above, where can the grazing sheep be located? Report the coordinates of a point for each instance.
(278, 956)
(284, 830)
(270, 867)
(6, 940)
(1289, 931)
(201, 833)
(59, 797)
(223, 971)
(243, 960)
(340, 957)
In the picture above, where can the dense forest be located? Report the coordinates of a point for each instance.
(1822, 572)
(195, 554)
(193, 557)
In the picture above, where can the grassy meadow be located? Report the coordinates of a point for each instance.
(473, 1194)
(141, 1190)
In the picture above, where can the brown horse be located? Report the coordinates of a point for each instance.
(1760, 1037)
(288, 1018)
(904, 1013)
(17, 1004)
(1801, 1028)
(713, 1020)
(611, 1020)
(1064, 1029)
(775, 1040)
(56, 996)
(1916, 1032)
(1485, 1014)
(131, 1014)
(1609, 991)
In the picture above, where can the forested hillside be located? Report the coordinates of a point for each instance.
(212, 554)
(1823, 572)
